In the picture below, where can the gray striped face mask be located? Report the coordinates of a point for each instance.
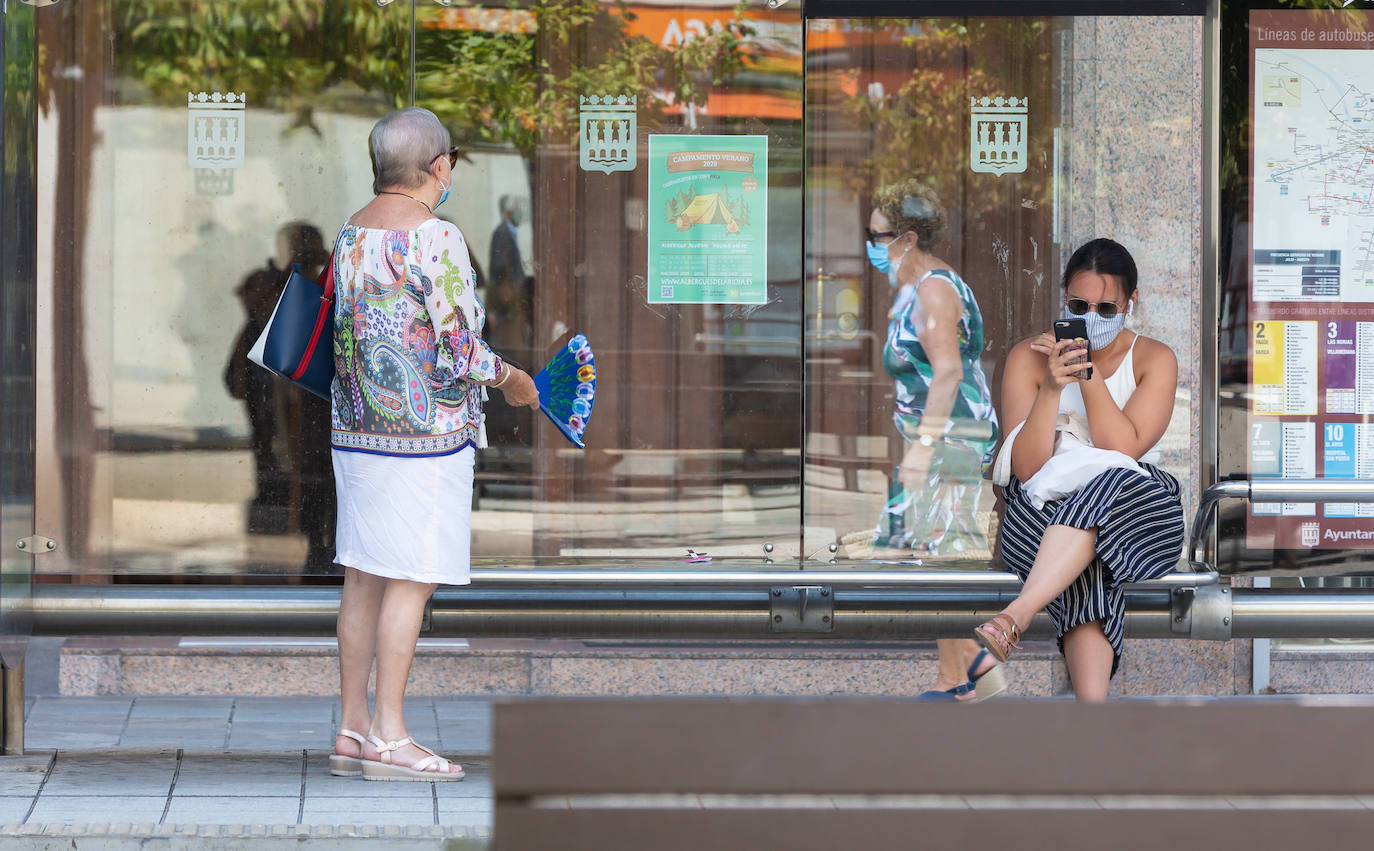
(1101, 330)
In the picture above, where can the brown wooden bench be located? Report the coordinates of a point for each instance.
(667, 774)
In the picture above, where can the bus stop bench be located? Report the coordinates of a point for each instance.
(669, 774)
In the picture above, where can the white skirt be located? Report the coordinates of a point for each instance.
(405, 518)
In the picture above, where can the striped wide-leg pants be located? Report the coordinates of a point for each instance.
(1139, 523)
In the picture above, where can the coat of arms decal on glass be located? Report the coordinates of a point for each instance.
(997, 134)
(609, 140)
(214, 129)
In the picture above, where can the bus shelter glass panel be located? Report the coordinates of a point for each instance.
(1296, 318)
(1007, 142)
(634, 174)
(190, 152)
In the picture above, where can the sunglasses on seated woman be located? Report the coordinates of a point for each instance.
(1105, 309)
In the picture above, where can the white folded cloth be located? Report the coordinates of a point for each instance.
(1075, 462)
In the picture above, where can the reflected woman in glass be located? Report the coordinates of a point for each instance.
(943, 412)
(411, 372)
(1087, 509)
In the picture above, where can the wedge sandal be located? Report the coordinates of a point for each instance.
(990, 683)
(342, 765)
(430, 769)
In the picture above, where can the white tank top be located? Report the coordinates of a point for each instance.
(1120, 384)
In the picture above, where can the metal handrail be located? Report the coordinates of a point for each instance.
(976, 579)
(1270, 490)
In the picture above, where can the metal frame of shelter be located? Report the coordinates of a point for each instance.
(811, 599)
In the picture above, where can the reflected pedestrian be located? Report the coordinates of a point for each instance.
(508, 288)
(411, 372)
(943, 411)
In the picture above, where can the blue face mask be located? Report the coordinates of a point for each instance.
(443, 196)
(877, 255)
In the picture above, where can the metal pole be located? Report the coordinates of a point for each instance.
(605, 611)
(12, 736)
(1303, 613)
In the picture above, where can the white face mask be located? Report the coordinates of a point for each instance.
(892, 270)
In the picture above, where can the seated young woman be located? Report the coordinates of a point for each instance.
(1087, 509)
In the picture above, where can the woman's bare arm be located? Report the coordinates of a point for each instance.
(941, 308)
(1024, 402)
(1135, 429)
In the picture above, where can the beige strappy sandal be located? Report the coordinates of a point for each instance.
(341, 765)
(432, 768)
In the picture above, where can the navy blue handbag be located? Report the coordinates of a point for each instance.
(298, 342)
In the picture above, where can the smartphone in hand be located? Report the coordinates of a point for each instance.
(1075, 328)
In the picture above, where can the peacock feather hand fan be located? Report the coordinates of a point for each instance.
(567, 388)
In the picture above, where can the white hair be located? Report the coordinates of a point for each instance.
(403, 145)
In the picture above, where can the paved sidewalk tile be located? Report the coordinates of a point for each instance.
(465, 736)
(315, 710)
(226, 810)
(22, 775)
(14, 808)
(181, 708)
(116, 773)
(88, 706)
(369, 810)
(190, 733)
(76, 722)
(449, 813)
(278, 735)
(319, 783)
(237, 773)
(53, 738)
(477, 783)
(98, 808)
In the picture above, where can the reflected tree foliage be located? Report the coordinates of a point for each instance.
(492, 74)
(519, 79)
(920, 129)
(291, 55)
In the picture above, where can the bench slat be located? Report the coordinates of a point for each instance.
(885, 746)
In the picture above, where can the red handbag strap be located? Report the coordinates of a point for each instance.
(326, 310)
(327, 276)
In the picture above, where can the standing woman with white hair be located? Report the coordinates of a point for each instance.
(411, 370)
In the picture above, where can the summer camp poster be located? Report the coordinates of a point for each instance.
(708, 219)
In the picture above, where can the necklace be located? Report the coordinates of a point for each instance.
(404, 195)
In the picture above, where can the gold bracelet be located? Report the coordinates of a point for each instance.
(509, 370)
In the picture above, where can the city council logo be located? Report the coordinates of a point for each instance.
(609, 138)
(1311, 534)
(997, 134)
(214, 129)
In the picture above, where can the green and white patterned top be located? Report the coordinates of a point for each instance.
(906, 361)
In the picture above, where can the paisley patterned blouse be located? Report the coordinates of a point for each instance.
(910, 368)
(407, 342)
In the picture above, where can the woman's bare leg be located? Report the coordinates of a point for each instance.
(398, 627)
(1089, 656)
(956, 654)
(357, 631)
(1064, 553)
